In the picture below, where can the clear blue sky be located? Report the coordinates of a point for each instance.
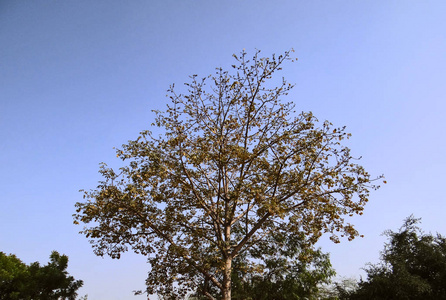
(78, 78)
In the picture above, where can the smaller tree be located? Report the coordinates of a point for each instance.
(49, 282)
(280, 267)
(342, 288)
(286, 279)
(413, 267)
(13, 276)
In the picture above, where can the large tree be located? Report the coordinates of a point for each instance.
(233, 163)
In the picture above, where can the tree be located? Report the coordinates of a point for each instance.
(13, 276)
(284, 279)
(232, 165)
(289, 270)
(343, 288)
(49, 282)
(413, 266)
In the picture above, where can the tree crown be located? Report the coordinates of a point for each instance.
(233, 164)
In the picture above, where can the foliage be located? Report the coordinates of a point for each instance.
(13, 276)
(286, 269)
(285, 280)
(233, 164)
(341, 288)
(413, 267)
(20, 281)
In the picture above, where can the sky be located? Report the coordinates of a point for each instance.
(78, 78)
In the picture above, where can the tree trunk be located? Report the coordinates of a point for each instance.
(226, 291)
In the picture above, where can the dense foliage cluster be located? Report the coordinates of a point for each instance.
(289, 271)
(413, 266)
(19, 281)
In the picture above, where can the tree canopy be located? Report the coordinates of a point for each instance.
(36, 282)
(413, 266)
(233, 163)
